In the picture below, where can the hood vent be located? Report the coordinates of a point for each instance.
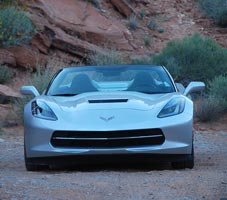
(108, 101)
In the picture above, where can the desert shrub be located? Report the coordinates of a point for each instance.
(40, 79)
(6, 3)
(108, 57)
(216, 9)
(95, 3)
(142, 61)
(216, 103)
(152, 24)
(18, 107)
(142, 14)
(218, 87)
(207, 109)
(5, 74)
(161, 29)
(15, 27)
(193, 58)
(147, 41)
(132, 22)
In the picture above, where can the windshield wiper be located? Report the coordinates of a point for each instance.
(65, 95)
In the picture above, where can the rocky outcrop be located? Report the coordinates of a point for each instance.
(7, 57)
(7, 93)
(76, 27)
(123, 7)
(27, 57)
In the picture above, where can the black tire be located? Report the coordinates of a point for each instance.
(31, 166)
(186, 163)
(35, 167)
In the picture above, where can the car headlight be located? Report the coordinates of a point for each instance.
(41, 110)
(173, 107)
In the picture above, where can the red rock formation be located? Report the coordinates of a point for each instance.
(26, 57)
(123, 7)
(80, 23)
(8, 92)
(73, 27)
(7, 57)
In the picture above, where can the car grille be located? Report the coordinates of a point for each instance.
(107, 139)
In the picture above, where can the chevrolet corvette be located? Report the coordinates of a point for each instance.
(92, 113)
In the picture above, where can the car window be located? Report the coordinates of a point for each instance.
(72, 81)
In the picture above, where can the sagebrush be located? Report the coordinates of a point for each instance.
(216, 9)
(15, 27)
(6, 74)
(218, 87)
(133, 22)
(6, 3)
(107, 57)
(195, 58)
(210, 108)
(40, 79)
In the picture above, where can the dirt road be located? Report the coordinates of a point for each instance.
(208, 179)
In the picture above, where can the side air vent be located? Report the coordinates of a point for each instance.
(108, 101)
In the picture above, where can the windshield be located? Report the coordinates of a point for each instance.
(144, 79)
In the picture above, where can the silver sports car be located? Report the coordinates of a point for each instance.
(93, 113)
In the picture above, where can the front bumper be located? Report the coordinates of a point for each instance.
(177, 131)
(109, 159)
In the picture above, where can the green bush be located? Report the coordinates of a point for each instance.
(215, 104)
(5, 3)
(95, 3)
(132, 22)
(152, 24)
(161, 29)
(210, 108)
(193, 58)
(216, 9)
(142, 61)
(142, 14)
(109, 57)
(15, 27)
(218, 87)
(5, 74)
(40, 79)
(147, 41)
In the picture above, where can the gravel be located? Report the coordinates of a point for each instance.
(207, 180)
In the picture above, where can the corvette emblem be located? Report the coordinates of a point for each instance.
(106, 119)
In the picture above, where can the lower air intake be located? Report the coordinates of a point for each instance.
(107, 139)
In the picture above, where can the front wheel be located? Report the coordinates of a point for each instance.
(32, 166)
(186, 163)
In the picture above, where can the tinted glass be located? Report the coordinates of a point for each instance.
(145, 79)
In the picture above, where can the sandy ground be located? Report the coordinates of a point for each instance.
(207, 180)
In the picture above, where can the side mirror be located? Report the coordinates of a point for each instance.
(194, 87)
(29, 90)
(180, 87)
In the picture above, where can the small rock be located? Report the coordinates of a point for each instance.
(1, 140)
(187, 198)
(223, 133)
(8, 92)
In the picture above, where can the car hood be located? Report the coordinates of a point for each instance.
(108, 111)
(110, 101)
